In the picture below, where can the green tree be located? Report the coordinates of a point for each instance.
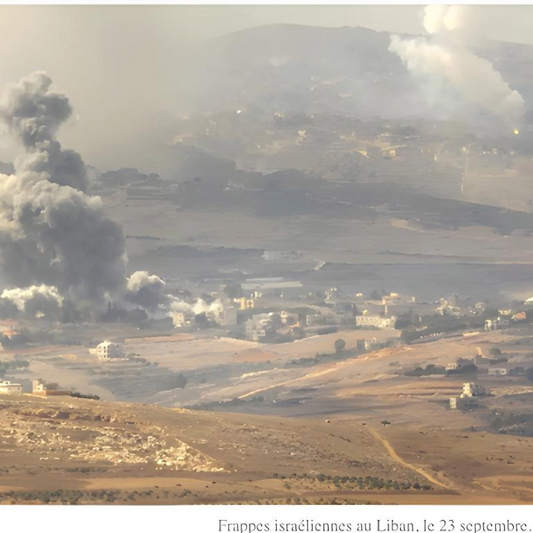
(340, 344)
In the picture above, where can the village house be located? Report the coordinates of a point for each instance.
(108, 350)
(394, 298)
(497, 323)
(375, 321)
(459, 364)
(245, 303)
(467, 399)
(460, 402)
(498, 372)
(472, 390)
(6, 387)
(41, 388)
(262, 327)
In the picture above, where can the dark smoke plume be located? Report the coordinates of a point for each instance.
(60, 253)
(51, 232)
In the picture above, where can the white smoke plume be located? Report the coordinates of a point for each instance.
(444, 61)
(38, 300)
(178, 307)
(147, 290)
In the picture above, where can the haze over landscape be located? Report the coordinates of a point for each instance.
(266, 255)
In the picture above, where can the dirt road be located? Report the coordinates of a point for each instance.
(392, 452)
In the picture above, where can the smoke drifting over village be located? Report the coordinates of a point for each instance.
(444, 61)
(58, 246)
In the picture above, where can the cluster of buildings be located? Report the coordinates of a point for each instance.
(375, 321)
(468, 398)
(497, 367)
(265, 327)
(506, 318)
(7, 387)
(39, 387)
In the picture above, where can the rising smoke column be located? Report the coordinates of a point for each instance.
(444, 61)
(59, 251)
(34, 301)
(147, 291)
(51, 232)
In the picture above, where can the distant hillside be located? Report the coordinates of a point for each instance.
(315, 69)
(63, 450)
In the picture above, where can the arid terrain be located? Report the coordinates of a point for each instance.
(83, 451)
(305, 279)
(352, 431)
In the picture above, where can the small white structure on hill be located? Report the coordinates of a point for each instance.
(375, 321)
(6, 387)
(498, 372)
(471, 391)
(108, 350)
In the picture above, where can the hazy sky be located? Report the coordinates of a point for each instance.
(120, 64)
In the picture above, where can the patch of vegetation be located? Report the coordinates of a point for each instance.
(220, 406)
(466, 369)
(327, 357)
(429, 370)
(174, 381)
(442, 324)
(360, 482)
(510, 423)
(85, 396)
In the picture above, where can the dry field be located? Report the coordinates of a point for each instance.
(82, 451)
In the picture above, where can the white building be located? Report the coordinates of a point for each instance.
(472, 390)
(375, 321)
(108, 350)
(460, 363)
(467, 400)
(6, 387)
(262, 327)
(499, 323)
(394, 298)
(462, 402)
(498, 372)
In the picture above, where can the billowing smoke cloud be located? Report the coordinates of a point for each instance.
(34, 112)
(178, 308)
(35, 301)
(59, 250)
(147, 291)
(443, 61)
(51, 232)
